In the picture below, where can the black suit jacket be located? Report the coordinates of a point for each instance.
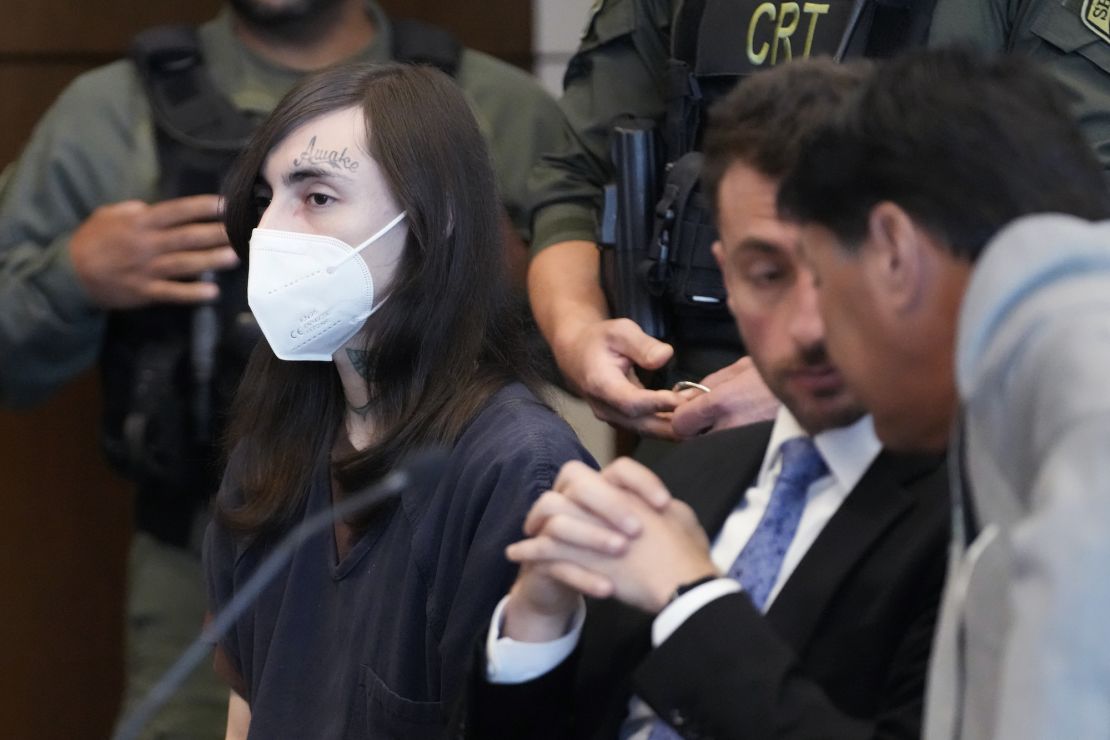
(841, 653)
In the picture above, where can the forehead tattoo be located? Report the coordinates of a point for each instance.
(314, 155)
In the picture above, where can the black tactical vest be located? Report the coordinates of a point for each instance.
(715, 44)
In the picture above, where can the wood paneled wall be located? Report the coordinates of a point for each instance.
(64, 517)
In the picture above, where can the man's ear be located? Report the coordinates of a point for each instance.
(719, 255)
(898, 255)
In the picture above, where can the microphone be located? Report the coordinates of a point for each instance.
(419, 471)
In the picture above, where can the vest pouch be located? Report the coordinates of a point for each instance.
(694, 289)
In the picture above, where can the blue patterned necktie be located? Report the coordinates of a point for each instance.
(758, 564)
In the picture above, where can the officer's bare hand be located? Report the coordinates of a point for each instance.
(132, 254)
(614, 533)
(737, 396)
(600, 361)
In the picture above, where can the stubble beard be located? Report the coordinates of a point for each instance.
(292, 20)
(819, 411)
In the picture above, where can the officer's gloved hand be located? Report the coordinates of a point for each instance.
(737, 396)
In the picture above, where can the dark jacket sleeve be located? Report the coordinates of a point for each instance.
(725, 673)
(541, 709)
(746, 686)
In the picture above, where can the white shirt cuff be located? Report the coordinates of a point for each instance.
(682, 608)
(512, 661)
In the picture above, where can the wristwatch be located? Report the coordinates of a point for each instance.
(691, 585)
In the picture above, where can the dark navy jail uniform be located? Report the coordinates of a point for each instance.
(376, 645)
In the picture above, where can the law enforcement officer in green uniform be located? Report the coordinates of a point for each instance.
(87, 232)
(621, 67)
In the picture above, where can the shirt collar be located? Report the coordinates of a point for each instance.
(848, 450)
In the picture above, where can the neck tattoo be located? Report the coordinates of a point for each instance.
(360, 361)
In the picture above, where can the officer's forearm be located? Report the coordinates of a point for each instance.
(565, 290)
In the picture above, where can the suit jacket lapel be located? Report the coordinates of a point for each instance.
(873, 506)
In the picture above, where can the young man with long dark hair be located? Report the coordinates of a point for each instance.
(110, 214)
(378, 277)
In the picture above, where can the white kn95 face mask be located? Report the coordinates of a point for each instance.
(309, 293)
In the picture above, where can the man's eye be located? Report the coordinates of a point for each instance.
(319, 199)
(765, 277)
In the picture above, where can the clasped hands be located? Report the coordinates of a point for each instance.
(615, 533)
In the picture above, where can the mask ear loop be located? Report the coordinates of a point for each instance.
(381, 232)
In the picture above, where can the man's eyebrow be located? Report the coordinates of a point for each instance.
(756, 244)
(301, 174)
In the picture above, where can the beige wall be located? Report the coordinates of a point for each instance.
(556, 28)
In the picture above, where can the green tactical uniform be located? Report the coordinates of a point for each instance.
(620, 65)
(619, 68)
(95, 147)
(1071, 38)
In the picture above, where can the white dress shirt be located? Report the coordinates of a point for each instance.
(848, 452)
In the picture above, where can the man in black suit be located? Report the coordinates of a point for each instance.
(836, 549)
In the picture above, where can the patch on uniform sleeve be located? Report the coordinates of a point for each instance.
(1096, 16)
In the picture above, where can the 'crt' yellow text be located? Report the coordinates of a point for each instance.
(782, 19)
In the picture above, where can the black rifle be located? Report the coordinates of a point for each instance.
(631, 281)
